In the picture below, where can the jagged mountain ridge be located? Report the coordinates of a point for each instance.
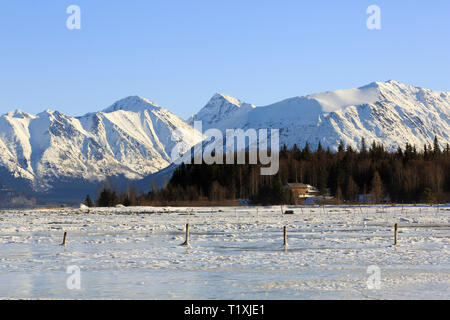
(132, 138)
(389, 112)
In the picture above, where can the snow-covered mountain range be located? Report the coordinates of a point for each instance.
(132, 139)
(389, 112)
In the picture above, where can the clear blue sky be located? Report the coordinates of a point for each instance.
(179, 53)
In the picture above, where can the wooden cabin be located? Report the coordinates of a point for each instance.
(302, 191)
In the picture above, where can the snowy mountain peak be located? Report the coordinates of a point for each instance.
(221, 98)
(47, 113)
(219, 108)
(132, 103)
(18, 113)
(331, 101)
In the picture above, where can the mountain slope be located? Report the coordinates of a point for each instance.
(389, 112)
(132, 138)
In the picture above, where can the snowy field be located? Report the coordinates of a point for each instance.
(234, 253)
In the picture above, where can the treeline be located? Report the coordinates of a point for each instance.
(407, 175)
(109, 197)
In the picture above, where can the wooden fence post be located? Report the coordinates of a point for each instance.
(64, 239)
(285, 236)
(395, 234)
(186, 243)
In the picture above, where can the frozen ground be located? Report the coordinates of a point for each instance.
(135, 253)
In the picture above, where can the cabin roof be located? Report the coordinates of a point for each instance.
(297, 185)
